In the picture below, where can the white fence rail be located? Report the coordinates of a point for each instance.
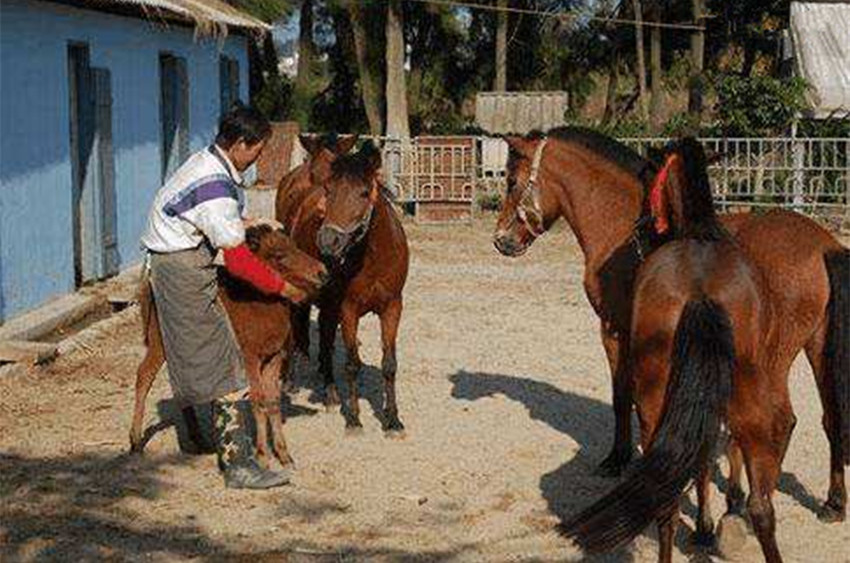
(810, 175)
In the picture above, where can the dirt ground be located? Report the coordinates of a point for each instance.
(503, 387)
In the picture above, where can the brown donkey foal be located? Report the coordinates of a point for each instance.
(262, 327)
(706, 349)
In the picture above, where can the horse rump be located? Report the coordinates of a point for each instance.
(837, 349)
(695, 405)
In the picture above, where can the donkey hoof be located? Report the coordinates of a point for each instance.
(830, 514)
(731, 535)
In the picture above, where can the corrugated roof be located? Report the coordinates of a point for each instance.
(820, 33)
(209, 17)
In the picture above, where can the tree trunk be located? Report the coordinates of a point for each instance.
(657, 106)
(641, 64)
(501, 83)
(305, 47)
(697, 62)
(370, 81)
(397, 117)
(613, 83)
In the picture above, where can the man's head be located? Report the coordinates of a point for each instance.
(242, 133)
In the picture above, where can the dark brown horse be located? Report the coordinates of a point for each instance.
(597, 185)
(348, 221)
(705, 349)
(263, 331)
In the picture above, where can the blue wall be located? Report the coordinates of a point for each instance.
(36, 243)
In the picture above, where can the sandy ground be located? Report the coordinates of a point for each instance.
(505, 392)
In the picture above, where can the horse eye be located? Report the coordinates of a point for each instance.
(365, 193)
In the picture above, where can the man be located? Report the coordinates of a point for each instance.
(197, 212)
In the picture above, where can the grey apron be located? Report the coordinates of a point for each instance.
(204, 360)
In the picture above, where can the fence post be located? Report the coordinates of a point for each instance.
(797, 157)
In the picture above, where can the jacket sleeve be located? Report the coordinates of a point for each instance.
(243, 264)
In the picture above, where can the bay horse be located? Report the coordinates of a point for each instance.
(262, 327)
(598, 186)
(299, 194)
(346, 219)
(705, 349)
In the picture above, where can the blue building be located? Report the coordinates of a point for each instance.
(99, 101)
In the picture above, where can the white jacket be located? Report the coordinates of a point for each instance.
(201, 199)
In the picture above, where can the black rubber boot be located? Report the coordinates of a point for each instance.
(236, 451)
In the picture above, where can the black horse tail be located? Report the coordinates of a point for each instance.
(685, 441)
(837, 349)
(699, 220)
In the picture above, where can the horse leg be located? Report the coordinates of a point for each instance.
(328, 321)
(666, 533)
(735, 497)
(349, 319)
(764, 445)
(704, 535)
(301, 329)
(835, 507)
(390, 318)
(145, 376)
(272, 406)
(616, 350)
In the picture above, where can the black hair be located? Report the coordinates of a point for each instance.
(242, 122)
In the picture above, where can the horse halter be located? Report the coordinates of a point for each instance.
(529, 199)
(358, 230)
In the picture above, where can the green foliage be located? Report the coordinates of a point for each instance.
(269, 11)
(758, 105)
(835, 126)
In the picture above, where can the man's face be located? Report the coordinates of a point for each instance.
(243, 155)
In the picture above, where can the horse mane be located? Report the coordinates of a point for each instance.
(355, 166)
(699, 219)
(611, 149)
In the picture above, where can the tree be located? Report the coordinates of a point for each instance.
(369, 72)
(501, 82)
(697, 57)
(640, 66)
(397, 115)
(655, 70)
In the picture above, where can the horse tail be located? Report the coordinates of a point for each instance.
(837, 348)
(698, 215)
(697, 394)
(146, 304)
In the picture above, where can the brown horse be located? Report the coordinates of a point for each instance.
(704, 350)
(597, 185)
(300, 198)
(262, 327)
(350, 223)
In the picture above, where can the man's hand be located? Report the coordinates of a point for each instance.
(293, 294)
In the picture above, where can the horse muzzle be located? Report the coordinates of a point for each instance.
(332, 241)
(507, 244)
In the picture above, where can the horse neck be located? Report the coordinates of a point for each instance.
(600, 200)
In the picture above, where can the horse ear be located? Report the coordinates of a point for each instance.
(345, 144)
(520, 145)
(311, 143)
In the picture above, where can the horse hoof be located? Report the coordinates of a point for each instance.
(136, 450)
(731, 535)
(395, 434)
(830, 514)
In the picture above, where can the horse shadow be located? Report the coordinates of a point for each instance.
(305, 375)
(574, 485)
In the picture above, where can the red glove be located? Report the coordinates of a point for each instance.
(241, 263)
